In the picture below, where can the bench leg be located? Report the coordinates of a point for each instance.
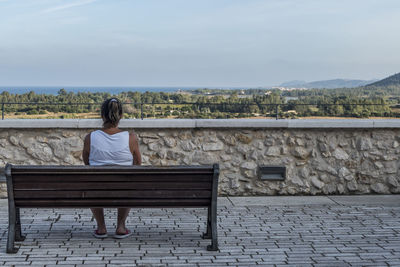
(18, 233)
(207, 234)
(214, 230)
(11, 230)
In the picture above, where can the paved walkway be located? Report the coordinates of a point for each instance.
(265, 231)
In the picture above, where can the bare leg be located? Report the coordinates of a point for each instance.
(122, 215)
(98, 214)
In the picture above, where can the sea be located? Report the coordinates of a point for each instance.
(75, 89)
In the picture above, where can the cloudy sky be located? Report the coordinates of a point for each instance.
(214, 43)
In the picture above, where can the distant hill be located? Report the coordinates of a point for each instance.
(294, 83)
(393, 80)
(330, 84)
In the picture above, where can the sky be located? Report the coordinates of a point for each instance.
(200, 43)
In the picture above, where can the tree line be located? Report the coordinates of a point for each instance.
(208, 103)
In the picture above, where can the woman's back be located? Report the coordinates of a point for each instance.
(110, 149)
(111, 146)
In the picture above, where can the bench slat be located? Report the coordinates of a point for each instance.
(100, 177)
(112, 203)
(110, 169)
(112, 185)
(116, 194)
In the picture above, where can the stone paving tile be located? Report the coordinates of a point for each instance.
(255, 235)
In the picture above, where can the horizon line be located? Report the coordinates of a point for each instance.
(135, 86)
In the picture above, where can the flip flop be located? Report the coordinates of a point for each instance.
(97, 235)
(122, 236)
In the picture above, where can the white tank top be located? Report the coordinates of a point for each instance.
(106, 149)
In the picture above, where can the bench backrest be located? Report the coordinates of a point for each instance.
(111, 186)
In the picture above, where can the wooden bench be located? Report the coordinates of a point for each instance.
(110, 187)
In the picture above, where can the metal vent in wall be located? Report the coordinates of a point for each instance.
(272, 173)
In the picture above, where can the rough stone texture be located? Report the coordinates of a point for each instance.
(317, 183)
(318, 161)
(340, 154)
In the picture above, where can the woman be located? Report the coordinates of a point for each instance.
(111, 146)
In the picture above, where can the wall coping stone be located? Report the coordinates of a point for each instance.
(202, 123)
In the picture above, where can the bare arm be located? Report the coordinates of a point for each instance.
(86, 150)
(134, 147)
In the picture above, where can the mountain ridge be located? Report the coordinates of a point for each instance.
(392, 80)
(329, 84)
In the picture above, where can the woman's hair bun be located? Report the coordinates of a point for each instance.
(111, 112)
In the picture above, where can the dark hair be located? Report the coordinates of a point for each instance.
(111, 112)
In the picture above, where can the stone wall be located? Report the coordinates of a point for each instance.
(318, 161)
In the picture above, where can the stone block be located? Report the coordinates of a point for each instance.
(273, 151)
(316, 182)
(340, 154)
(301, 152)
(380, 188)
